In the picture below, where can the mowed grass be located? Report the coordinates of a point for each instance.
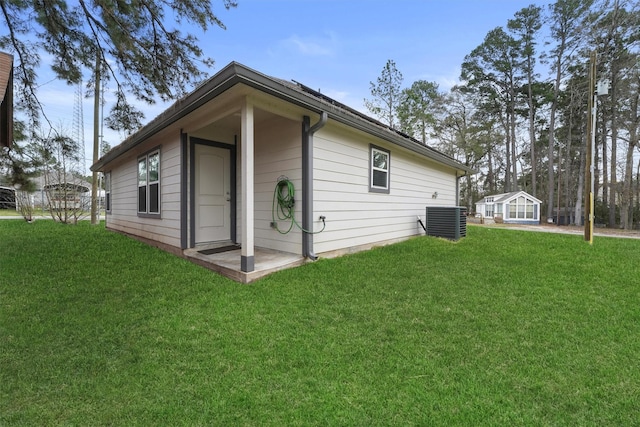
(501, 328)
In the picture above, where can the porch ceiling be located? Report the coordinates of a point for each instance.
(223, 112)
(231, 122)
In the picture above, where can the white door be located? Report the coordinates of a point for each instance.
(212, 194)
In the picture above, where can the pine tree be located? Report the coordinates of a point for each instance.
(138, 44)
(386, 94)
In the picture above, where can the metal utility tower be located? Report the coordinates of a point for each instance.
(78, 125)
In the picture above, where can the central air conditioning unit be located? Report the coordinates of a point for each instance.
(449, 222)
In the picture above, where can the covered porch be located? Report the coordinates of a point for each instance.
(235, 159)
(228, 262)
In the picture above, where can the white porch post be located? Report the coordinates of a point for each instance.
(247, 261)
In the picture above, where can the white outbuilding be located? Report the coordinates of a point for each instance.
(518, 207)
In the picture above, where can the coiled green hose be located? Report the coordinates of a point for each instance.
(283, 207)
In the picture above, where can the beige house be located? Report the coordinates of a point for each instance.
(218, 169)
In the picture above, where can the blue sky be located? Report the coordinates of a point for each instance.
(337, 46)
(340, 46)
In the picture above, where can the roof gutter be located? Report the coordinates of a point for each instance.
(236, 73)
(307, 183)
(223, 81)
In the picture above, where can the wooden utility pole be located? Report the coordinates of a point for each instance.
(96, 144)
(589, 183)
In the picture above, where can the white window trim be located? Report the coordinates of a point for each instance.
(376, 188)
(148, 184)
(517, 204)
(107, 192)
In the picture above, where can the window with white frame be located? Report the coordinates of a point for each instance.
(523, 208)
(107, 191)
(379, 170)
(149, 184)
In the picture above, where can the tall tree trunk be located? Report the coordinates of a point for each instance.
(507, 139)
(626, 210)
(560, 209)
(514, 161)
(552, 124)
(551, 142)
(626, 202)
(96, 143)
(550, 172)
(614, 150)
(568, 166)
(580, 192)
(603, 172)
(490, 173)
(637, 190)
(532, 129)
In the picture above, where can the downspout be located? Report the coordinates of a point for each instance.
(458, 187)
(307, 182)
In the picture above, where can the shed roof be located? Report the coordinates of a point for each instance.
(58, 179)
(509, 196)
(293, 92)
(504, 197)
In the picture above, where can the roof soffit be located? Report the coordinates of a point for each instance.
(6, 62)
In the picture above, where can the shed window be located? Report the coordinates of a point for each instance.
(379, 170)
(523, 208)
(149, 184)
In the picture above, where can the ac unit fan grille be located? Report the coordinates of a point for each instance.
(449, 222)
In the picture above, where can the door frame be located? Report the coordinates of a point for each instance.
(193, 141)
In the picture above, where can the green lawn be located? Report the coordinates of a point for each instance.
(501, 328)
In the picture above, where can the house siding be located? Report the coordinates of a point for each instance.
(278, 153)
(124, 190)
(6, 99)
(356, 216)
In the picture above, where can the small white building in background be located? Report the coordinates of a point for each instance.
(59, 190)
(518, 207)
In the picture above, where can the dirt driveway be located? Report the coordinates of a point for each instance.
(564, 229)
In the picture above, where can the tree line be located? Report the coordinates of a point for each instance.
(519, 114)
